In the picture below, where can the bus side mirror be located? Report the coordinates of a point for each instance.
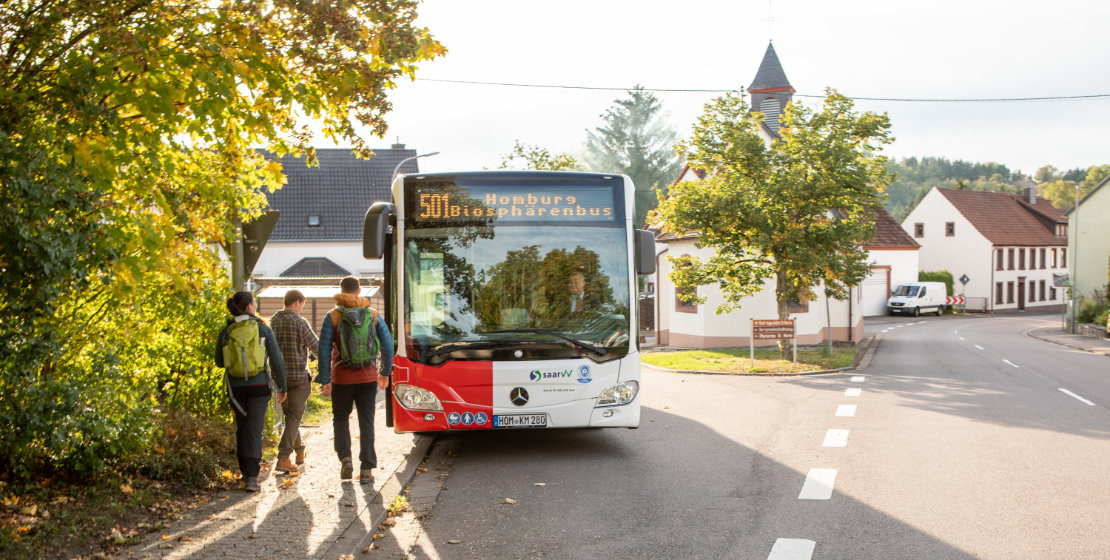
(645, 252)
(375, 229)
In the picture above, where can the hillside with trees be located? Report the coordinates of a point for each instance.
(915, 176)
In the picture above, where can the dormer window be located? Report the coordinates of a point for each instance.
(1061, 230)
(314, 220)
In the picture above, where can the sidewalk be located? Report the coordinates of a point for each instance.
(312, 515)
(1057, 335)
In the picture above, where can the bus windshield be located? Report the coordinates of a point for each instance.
(480, 272)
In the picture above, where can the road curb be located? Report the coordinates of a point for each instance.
(357, 536)
(862, 361)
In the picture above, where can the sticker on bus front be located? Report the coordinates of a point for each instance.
(519, 420)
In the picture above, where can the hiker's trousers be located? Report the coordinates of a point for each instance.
(248, 427)
(293, 407)
(361, 396)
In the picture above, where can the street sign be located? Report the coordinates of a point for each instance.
(763, 329)
(1061, 280)
(954, 300)
(964, 279)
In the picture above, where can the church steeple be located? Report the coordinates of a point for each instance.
(770, 90)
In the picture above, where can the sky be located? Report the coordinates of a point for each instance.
(945, 49)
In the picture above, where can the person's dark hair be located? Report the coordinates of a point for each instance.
(350, 285)
(293, 296)
(237, 304)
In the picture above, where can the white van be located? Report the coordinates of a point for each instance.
(917, 298)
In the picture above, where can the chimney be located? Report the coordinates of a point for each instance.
(1031, 195)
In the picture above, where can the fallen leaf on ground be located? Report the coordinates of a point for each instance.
(539, 484)
(227, 475)
(252, 536)
(510, 501)
(165, 537)
(379, 536)
(287, 483)
(454, 541)
(389, 522)
(126, 489)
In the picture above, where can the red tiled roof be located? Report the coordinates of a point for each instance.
(889, 234)
(1008, 219)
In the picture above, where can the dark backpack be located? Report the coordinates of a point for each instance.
(358, 339)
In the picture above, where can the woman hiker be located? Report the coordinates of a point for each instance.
(248, 351)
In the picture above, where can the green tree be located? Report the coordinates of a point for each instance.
(126, 151)
(796, 209)
(636, 141)
(535, 157)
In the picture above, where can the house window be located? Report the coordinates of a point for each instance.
(314, 221)
(1009, 292)
(919, 230)
(1010, 259)
(795, 307)
(1063, 258)
(1032, 291)
(1042, 258)
(1054, 258)
(1052, 293)
(998, 292)
(950, 229)
(1032, 259)
(998, 266)
(680, 305)
(1061, 230)
(1021, 259)
(1042, 290)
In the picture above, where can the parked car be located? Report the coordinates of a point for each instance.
(916, 298)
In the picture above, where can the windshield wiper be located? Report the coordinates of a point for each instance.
(557, 334)
(471, 345)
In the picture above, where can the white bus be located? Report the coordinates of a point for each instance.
(512, 297)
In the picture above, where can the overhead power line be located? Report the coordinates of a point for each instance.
(741, 90)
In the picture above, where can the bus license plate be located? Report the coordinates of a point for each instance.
(519, 420)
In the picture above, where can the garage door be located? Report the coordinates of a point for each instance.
(875, 292)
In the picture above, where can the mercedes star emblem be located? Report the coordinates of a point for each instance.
(519, 396)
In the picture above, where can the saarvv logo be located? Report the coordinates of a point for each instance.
(538, 375)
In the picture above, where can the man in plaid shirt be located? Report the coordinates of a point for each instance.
(296, 339)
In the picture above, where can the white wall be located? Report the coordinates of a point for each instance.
(968, 252)
(705, 329)
(278, 256)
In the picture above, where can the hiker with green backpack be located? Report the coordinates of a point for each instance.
(248, 351)
(360, 347)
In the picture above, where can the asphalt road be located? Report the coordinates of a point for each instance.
(959, 441)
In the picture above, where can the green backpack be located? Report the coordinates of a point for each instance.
(244, 354)
(358, 340)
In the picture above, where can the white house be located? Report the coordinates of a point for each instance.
(319, 233)
(1089, 242)
(894, 260)
(1001, 248)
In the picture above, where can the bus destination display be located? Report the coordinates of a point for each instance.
(520, 204)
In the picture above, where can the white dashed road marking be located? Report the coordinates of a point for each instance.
(1077, 397)
(836, 438)
(1009, 362)
(818, 484)
(792, 549)
(847, 410)
(858, 378)
(961, 338)
(980, 347)
(853, 392)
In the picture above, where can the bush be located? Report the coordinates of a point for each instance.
(938, 276)
(1092, 308)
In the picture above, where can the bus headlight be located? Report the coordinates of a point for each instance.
(415, 398)
(621, 393)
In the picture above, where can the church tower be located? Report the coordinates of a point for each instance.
(770, 90)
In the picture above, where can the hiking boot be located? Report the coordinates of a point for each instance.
(300, 457)
(366, 476)
(250, 483)
(286, 466)
(346, 469)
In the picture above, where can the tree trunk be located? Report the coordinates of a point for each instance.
(784, 313)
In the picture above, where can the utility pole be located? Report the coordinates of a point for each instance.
(1075, 264)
